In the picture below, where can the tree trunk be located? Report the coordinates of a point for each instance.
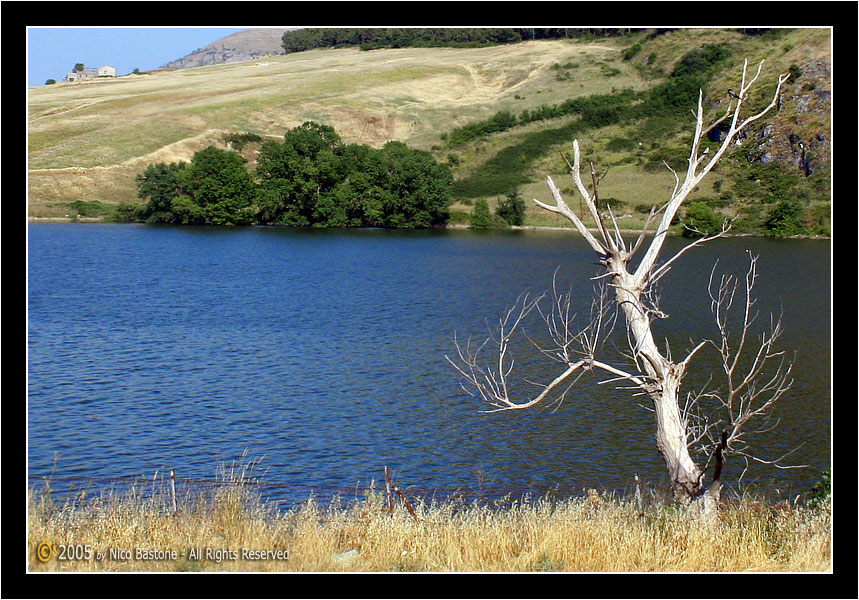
(664, 384)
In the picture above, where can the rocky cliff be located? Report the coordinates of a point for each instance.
(799, 134)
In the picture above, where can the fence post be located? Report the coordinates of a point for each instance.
(173, 491)
(388, 492)
(406, 502)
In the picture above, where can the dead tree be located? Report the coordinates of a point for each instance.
(681, 428)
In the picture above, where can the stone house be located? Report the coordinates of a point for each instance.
(86, 74)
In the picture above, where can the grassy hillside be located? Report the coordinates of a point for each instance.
(87, 141)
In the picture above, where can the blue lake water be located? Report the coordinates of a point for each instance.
(153, 347)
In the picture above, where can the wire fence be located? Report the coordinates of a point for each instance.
(167, 489)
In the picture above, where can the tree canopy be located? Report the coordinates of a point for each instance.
(373, 38)
(311, 178)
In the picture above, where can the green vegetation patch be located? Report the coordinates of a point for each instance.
(310, 179)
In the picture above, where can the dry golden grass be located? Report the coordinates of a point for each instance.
(412, 95)
(87, 141)
(594, 534)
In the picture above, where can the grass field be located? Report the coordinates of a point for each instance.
(597, 533)
(87, 141)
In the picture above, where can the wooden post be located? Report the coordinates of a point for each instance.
(388, 492)
(173, 491)
(406, 502)
(154, 479)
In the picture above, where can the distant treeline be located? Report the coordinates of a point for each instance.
(311, 179)
(375, 38)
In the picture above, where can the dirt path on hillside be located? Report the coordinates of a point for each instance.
(182, 150)
(67, 110)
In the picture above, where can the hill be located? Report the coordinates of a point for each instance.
(244, 45)
(87, 141)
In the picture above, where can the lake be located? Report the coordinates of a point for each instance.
(322, 352)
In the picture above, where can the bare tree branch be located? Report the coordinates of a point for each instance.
(716, 422)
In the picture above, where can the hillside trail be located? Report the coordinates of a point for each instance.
(493, 80)
(479, 81)
(67, 110)
(181, 150)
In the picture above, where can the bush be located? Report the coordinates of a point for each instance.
(93, 208)
(821, 490)
(821, 219)
(126, 212)
(700, 60)
(512, 209)
(480, 218)
(785, 219)
(238, 140)
(630, 52)
(700, 219)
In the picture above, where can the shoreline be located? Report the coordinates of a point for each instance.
(452, 227)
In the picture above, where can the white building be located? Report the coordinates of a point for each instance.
(87, 74)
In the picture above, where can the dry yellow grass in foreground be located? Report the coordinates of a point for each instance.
(235, 531)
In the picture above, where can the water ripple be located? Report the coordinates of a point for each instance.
(179, 347)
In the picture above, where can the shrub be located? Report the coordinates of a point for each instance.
(480, 218)
(785, 219)
(700, 219)
(126, 212)
(821, 490)
(92, 208)
(512, 209)
(630, 52)
(238, 140)
(795, 72)
(821, 219)
(700, 60)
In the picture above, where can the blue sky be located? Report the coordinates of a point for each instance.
(53, 51)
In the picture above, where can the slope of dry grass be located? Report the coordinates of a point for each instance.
(412, 95)
(87, 141)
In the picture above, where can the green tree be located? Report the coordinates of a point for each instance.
(218, 183)
(127, 212)
(78, 67)
(296, 173)
(512, 209)
(785, 219)
(418, 188)
(50, 81)
(480, 217)
(159, 184)
(214, 188)
(313, 179)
